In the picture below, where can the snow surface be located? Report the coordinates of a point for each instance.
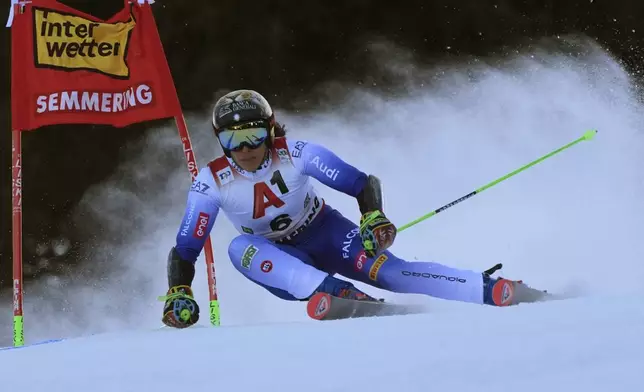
(590, 344)
(571, 223)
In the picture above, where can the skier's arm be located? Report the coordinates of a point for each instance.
(324, 165)
(199, 217)
(376, 231)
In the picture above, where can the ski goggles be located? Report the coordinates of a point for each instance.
(252, 135)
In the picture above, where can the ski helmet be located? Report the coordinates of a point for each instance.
(243, 110)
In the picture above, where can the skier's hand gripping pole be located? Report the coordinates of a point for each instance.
(180, 310)
(588, 135)
(377, 232)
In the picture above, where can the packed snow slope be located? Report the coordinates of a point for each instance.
(590, 344)
(572, 223)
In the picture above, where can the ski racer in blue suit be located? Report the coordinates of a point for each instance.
(290, 241)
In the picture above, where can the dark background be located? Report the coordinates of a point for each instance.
(284, 49)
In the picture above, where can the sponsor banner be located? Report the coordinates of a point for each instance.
(69, 67)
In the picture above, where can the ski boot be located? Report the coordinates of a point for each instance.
(506, 292)
(337, 299)
(342, 289)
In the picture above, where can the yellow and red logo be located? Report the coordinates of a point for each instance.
(70, 42)
(373, 271)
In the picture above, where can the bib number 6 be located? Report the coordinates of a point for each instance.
(281, 222)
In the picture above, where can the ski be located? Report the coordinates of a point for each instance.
(323, 306)
(525, 294)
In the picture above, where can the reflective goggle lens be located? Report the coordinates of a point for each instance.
(238, 138)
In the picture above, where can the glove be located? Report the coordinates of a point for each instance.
(377, 232)
(180, 310)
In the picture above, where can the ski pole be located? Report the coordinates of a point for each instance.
(588, 135)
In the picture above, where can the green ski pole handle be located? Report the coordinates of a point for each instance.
(588, 135)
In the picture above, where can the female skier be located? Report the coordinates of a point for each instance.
(291, 242)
